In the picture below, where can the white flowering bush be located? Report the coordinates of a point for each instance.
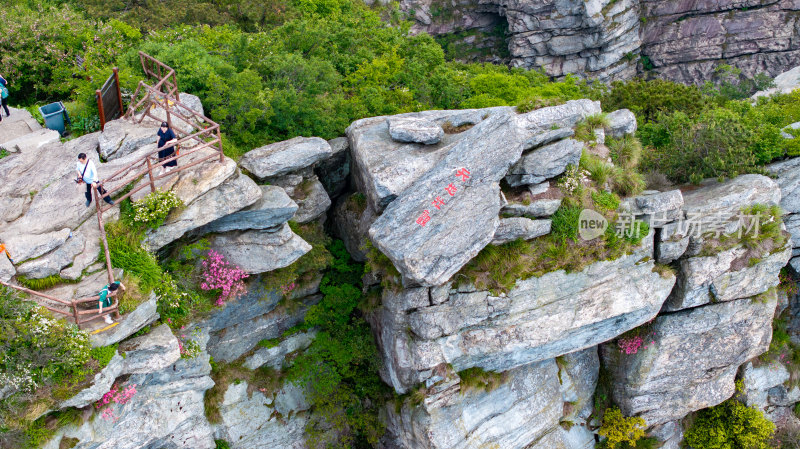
(35, 347)
(154, 208)
(573, 180)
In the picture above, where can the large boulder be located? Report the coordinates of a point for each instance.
(22, 247)
(546, 162)
(725, 199)
(693, 360)
(272, 210)
(259, 251)
(383, 167)
(523, 412)
(540, 318)
(101, 383)
(621, 122)
(460, 196)
(312, 200)
(144, 314)
(728, 275)
(280, 158)
(785, 83)
(120, 138)
(352, 217)
(415, 130)
(230, 196)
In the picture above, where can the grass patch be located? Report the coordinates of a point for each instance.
(499, 267)
(44, 283)
(477, 378)
(626, 151)
(531, 104)
(584, 129)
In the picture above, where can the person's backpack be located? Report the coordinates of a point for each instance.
(3, 91)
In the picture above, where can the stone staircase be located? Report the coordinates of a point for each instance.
(20, 131)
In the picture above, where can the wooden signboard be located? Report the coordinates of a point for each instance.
(109, 99)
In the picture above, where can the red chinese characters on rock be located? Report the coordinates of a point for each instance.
(438, 202)
(424, 218)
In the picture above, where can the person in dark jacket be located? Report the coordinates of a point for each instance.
(4, 101)
(165, 137)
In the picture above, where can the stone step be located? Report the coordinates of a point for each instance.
(32, 140)
(18, 124)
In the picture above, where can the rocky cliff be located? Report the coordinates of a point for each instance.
(493, 327)
(616, 39)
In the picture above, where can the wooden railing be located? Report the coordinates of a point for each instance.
(73, 311)
(203, 134)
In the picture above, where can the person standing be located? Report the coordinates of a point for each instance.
(106, 294)
(4, 97)
(165, 137)
(88, 175)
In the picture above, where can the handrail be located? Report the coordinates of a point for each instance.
(71, 305)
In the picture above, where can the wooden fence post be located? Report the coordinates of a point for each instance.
(103, 233)
(102, 112)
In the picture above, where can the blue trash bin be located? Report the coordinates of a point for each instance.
(55, 116)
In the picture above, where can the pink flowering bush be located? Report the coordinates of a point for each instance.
(286, 289)
(218, 273)
(633, 344)
(114, 396)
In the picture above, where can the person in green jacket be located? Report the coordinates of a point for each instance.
(106, 294)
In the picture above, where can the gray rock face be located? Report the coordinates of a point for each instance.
(250, 421)
(260, 251)
(463, 222)
(152, 352)
(334, 172)
(313, 201)
(274, 357)
(546, 162)
(31, 141)
(280, 158)
(694, 359)
(758, 381)
(788, 179)
(120, 138)
(518, 414)
(621, 122)
(6, 269)
(28, 246)
(352, 218)
(537, 208)
(414, 130)
(672, 243)
(383, 167)
(539, 319)
(231, 196)
(144, 314)
(100, 385)
(659, 203)
(511, 229)
(241, 324)
(273, 209)
(729, 196)
(725, 276)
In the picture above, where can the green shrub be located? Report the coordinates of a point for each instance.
(730, 425)
(222, 444)
(621, 430)
(600, 172)
(647, 99)
(104, 354)
(339, 370)
(43, 283)
(126, 252)
(151, 210)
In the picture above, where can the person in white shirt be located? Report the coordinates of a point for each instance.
(87, 174)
